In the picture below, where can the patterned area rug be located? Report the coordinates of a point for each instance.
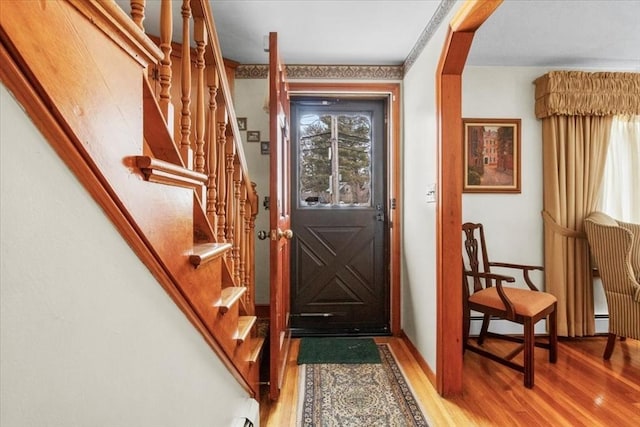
(344, 395)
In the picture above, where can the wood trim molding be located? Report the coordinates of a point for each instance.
(472, 14)
(449, 354)
(117, 25)
(392, 91)
(424, 366)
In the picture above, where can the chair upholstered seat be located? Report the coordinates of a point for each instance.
(525, 302)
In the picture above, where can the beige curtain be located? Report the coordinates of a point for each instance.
(576, 109)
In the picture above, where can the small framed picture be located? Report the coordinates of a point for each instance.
(253, 136)
(264, 147)
(242, 123)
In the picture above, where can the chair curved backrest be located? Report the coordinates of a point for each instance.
(478, 261)
(615, 246)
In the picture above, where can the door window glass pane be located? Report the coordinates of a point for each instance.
(354, 157)
(334, 159)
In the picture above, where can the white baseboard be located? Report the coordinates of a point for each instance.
(602, 323)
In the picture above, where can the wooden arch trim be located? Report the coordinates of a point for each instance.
(449, 207)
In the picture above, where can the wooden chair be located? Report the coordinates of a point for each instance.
(490, 297)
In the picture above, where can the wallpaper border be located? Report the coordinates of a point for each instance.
(355, 72)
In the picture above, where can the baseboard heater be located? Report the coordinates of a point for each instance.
(249, 415)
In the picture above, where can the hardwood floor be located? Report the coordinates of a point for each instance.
(581, 389)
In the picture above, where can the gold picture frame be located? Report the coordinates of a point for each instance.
(491, 155)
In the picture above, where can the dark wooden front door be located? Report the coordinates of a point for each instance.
(339, 255)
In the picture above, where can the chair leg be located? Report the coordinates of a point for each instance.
(553, 337)
(529, 346)
(611, 342)
(484, 329)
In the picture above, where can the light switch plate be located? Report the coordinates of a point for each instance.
(431, 193)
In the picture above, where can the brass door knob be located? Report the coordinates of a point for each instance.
(287, 234)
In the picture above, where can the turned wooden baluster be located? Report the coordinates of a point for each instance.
(212, 144)
(222, 176)
(137, 12)
(200, 36)
(230, 195)
(164, 73)
(237, 221)
(244, 240)
(185, 119)
(251, 244)
(230, 156)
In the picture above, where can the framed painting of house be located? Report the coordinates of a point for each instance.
(491, 155)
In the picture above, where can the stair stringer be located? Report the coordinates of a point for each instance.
(85, 95)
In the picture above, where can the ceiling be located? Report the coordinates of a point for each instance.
(564, 33)
(354, 32)
(568, 33)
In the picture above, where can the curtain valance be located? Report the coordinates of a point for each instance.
(579, 93)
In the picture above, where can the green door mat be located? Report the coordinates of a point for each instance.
(338, 350)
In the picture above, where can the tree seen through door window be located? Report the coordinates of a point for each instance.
(335, 159)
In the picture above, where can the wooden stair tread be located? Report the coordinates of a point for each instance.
(245, 323)
(205, 252)
(159, 171)
(229, 296)
(256, 349)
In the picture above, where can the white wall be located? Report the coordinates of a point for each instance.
(88, 337)
(513, 222)
(419, 217)
(249, 100)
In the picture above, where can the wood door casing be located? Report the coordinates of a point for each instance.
(340, 253)
(390, 91)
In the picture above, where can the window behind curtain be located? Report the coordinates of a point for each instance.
(621, 181)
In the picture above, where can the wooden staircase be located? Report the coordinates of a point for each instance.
(185, 204)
